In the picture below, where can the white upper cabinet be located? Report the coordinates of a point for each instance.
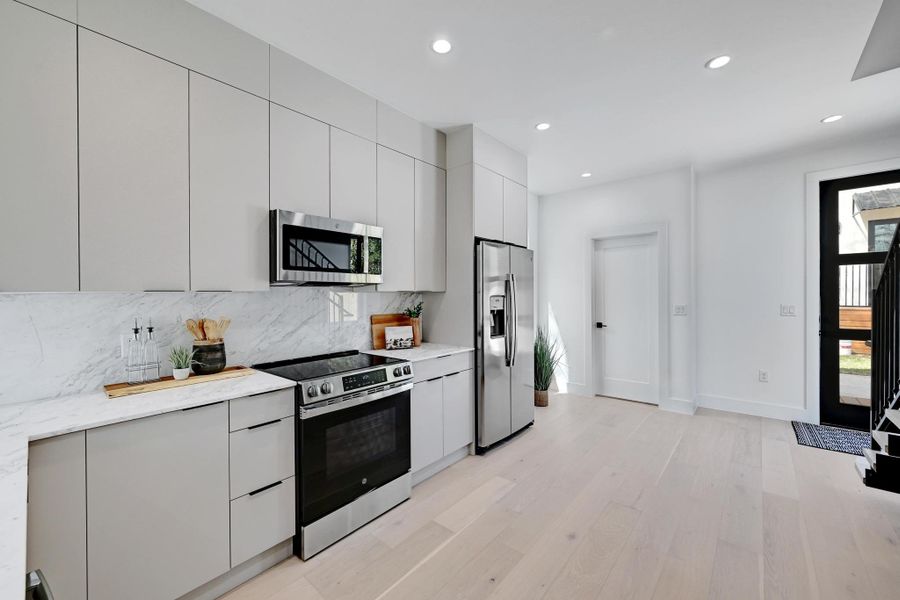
(303, 88)
(181, 32)
(300, 161)
(515, 213)
(133, 139)
(38, 152)
(229, 187)
(397, 215)
(498, 157)
(65, 9)
(405, 134)
(352, 178)
(487, 200)
(431, 228)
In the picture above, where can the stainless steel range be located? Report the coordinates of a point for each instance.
(352, 429)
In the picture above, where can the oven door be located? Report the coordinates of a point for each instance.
(317, 250)
(345, 452)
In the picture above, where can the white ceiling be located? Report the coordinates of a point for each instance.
(621, 81)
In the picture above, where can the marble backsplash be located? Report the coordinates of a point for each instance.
(68, 343)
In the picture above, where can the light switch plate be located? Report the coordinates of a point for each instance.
(679, 310)
(763, 376)
(788, 310)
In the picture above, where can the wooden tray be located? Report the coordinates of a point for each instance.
(118, 390)
(379, 322)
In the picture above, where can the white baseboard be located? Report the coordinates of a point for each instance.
(438, 466)
(678, 405)
(242, 573)
(756, 409)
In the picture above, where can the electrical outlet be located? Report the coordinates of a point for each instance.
(763, 376)
(680, 310)
(788, 310)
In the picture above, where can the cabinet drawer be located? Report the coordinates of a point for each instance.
(260, 455)
(442, 365)
(253, 410)
(261, 520)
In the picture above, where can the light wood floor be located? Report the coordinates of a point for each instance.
(610, 499)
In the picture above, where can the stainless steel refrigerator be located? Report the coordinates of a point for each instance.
(504, 299)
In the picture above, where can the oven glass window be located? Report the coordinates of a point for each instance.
(308, 249)
(360, 441)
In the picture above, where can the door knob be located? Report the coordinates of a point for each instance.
(600, 325)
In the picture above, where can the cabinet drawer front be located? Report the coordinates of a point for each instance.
(261, 455)
(253, 410)
(262, 520)
(442, 365)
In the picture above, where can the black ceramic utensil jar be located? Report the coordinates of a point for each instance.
(209, 357)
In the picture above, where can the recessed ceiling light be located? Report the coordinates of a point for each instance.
(585, 175)
(832, 118)
(718, 62)
(542, 126)
(441, 46)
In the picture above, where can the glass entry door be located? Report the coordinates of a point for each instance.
(858, 217)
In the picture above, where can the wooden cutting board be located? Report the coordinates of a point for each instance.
(118, 390)
(379, 322)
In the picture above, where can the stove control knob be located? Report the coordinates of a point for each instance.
(327, 388)
(407, 370)
(312, 391)
(398, 372)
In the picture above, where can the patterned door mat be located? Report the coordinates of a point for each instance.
(836, 439)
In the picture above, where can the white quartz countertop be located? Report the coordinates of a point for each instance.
(424, 352)
(28, 421)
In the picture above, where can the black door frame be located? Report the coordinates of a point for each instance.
(830, 333)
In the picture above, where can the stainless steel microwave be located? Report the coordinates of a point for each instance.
(306, 249)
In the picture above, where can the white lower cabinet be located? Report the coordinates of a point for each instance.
(442, 415)
(426, 423)
(459, 410)
(158, 511)
(261, 519)
(57, 514)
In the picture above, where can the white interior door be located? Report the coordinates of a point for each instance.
(626, 318)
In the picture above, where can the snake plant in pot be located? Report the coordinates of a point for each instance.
(546, 358)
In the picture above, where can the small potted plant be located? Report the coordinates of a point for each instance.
(546, 358)
(182, 360)
(415, 319)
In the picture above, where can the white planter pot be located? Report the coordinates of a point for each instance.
(180, 374)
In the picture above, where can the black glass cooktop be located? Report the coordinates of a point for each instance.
(313, 367)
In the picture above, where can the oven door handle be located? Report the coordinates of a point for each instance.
(309, 413)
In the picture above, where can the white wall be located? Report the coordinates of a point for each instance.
(568, 221)
(751, 257)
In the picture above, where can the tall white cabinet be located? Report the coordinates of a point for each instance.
(396, 214)
(38, 152)
(430, 228)
(300, 162)
(133, 147)
(515, 213)
(352, 178)
(229, 187)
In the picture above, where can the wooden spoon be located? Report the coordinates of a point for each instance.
(194, 328)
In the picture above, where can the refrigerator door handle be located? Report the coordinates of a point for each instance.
(514, 320)
(507, 311)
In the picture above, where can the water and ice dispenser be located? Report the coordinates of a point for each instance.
(497, 306)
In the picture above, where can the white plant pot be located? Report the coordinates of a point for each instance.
(181, 374)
